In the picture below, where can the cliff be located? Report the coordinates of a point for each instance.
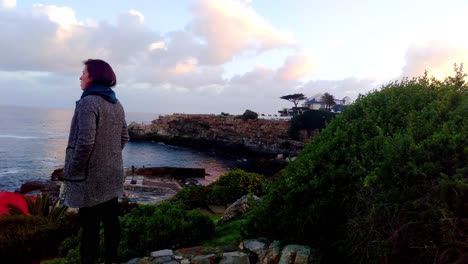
(228, 134)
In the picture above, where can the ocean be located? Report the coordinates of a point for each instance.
(33, 142)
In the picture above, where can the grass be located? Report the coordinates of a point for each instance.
(227, 234)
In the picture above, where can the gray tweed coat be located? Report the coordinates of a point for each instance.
(93, 171)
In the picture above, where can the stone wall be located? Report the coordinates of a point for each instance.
(228, 133)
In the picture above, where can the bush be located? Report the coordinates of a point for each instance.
(154, 227)
(191, 197)
(248, 114)
(310, 121)
(27, 238)
(233, 185)
(385, 181)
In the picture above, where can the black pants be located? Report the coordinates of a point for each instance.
(90, 218)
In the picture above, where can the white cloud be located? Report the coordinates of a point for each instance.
(230, 28)
(157, 45)
(8, 3)
(62, 15)
(297, 66)
(138, 15)
(351, 87)
(436, 57)
(181, 70)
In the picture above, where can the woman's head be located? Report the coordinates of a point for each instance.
(97, 72)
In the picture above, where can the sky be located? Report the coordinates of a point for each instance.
(213, 56)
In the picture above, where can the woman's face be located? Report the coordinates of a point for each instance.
(85, 79)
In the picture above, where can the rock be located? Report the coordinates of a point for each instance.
(272, 254)
(295, 254)
(162, 253)
(204, 259)
(36, 187)
(239, 207)
(225, 133)
(56, 174)
(235, 258)
(133, 261)
(258, 246)
(139, 261)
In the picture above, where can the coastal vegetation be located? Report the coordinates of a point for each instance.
(310, 122)
(328, 100)
(294, 98)
(26, 238)
(383, 182)
(180, 222)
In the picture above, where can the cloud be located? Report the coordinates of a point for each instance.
(8, 3)
(231, 28)
(436, 57)
(296, 67)
(351, 87)
(63, 16)
(61, 42)
(182, 70)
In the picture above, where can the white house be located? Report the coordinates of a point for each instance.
(315, 102)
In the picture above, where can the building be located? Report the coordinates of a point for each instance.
(316, 103)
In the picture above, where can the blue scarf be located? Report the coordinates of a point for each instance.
(105, 92)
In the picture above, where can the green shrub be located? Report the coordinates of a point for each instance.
(310, 121)
(248, 114)
(191, 197)
(25, 238)
(154, 227)
(233, 185)
(385, 181)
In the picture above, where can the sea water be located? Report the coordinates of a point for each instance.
(33, 142)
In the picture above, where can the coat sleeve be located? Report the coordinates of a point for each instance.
(125, 137)
(87, 117)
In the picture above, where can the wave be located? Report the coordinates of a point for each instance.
(8, 171)
(18, 137)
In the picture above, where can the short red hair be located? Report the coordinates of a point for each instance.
(101, 72)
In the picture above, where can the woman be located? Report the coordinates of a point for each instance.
(93, 171)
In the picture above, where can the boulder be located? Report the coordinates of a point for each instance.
(272, 254)
(295, 254)
(235, 258)
(239, 207)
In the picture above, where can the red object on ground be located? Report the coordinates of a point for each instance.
(15, 199)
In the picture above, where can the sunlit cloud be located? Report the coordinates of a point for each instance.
(8, 3)
(138, 15)
(62, 15)
(187, 66)
(297, 66)
(157, 45)
(437, 58)
(231, 28)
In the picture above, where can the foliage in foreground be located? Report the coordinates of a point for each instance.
(154, 227)
(309, 121)
(385, 181)
(26, 238)
(227, 189)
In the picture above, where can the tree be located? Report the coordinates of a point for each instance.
(329, 101)
(294, 98)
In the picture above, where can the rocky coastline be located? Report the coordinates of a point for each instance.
(224, 135)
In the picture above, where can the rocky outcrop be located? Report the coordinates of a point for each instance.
(222, 133)
(249, 252)
(239, 207)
